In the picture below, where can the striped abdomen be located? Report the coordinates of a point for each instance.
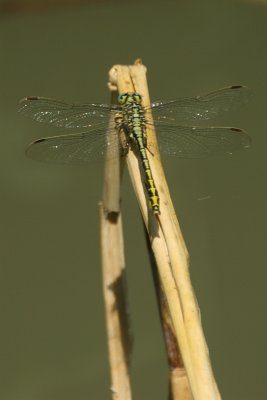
(149, 181)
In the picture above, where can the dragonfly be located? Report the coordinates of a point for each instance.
(170, 119)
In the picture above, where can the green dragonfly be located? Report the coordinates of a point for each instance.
(129, 115)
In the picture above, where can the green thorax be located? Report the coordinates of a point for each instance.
(133, 112)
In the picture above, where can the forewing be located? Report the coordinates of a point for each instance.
(66, 115)
(200, 107)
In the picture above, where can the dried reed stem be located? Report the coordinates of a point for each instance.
(170, 254)
(114, 287)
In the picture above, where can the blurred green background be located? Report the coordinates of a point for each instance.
(53, 343)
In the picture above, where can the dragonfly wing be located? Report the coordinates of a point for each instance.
(66, 115)
(199, 142)
(200, 107)
(79, 148)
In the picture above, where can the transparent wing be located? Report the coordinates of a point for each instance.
(66, 115)
(199, 142)
(79, 148)
(200, 107)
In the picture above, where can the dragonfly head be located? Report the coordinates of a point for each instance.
(127, 98)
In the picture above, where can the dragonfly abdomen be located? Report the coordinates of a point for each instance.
(139, 136)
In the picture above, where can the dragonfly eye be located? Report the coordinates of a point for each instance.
(137, 97)
(122, 98)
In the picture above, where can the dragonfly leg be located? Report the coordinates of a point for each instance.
(125, 148)
(147, 148)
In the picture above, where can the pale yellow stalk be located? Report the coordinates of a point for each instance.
(113, 274)
(171, 255)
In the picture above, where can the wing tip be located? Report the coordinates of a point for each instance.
(24, 102)
(39, 140)
(29, 98)
(238, 87)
